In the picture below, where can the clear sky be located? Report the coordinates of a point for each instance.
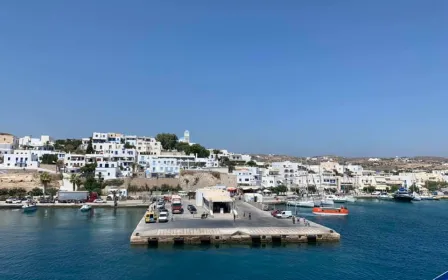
(353, 78)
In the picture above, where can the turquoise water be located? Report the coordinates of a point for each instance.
(380, 240)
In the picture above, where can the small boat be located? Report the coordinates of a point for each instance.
(402, 195)
(416, 197)
(340, 199)
(85, 208)
(29, 208)
(384, 196)
(428, 197)
(327, 211)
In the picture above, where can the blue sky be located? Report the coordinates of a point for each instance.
(353, 78)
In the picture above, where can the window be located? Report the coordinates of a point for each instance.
(108, 174)
(247, 180)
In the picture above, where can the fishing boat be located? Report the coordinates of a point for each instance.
(29, 208)
(85, 208)
(327, 211)
(416, 197)
(340, 199)
(402, 195)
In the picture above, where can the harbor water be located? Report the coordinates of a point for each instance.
(380, 240)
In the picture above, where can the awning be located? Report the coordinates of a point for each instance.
(266, 191)
(231, 189)
(250, 188)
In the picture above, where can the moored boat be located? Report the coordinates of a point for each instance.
(340, 199)
(327, 201)
(416, 197)
(402, 195)
(85, 208)
(29, 208)
(301, 203)
(327, 211)
(384, 196)
(350, 198)
(428, 197)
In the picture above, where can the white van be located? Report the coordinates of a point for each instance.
(284, 215)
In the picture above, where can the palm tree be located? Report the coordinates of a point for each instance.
(45, 179)
(75, 180)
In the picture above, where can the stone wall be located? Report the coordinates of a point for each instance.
(190, 180)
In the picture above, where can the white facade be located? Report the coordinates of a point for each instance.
(74, 161)
(36, 143)
(248, 176)
(108, 170)
(164, 167)
(131, 140)
(21, 159)
(355, 169)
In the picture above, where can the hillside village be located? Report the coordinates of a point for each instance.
(141, 163)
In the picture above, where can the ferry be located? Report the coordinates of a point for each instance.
(324, 211)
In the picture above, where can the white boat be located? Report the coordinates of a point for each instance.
(305, 203)
(350, 198)
(340, 199)
(85, 208)
(328, 200)
(416, 197)
(301, 203)
(384, 196)
(428, 197)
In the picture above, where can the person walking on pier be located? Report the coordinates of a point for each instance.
(293, 219)
(250, 216)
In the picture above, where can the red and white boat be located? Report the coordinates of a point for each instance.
(326, 211)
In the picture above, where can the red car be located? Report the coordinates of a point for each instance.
(275, 212)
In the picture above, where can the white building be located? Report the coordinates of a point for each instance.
(148, 146)
(84, 143)
(250, 176)
(44, 142)
(162, 167)
(131, 140)
(74, 162)
(108, 170)
(21, 159)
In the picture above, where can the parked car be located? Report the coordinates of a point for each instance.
(163, 210)
(160, 205)
(284, 214)
(17, 201)
(163, 217)
(192, 209)
(275, 212)
(10, 199)
(99, 200)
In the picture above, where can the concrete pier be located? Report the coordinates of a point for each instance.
(223, 229)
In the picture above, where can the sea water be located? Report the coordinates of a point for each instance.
(380, 240)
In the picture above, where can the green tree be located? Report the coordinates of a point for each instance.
(49, 159)
(183, 147)
(36, 192)
(3, 191)
(75, 180)
(88, 169)
(251, 163)
(168, 140)
(52, 192)
(312, 189)
(414, 188)
(280, 189)
(128, 146)
(90, 149)
(199, 150)
(45, 179)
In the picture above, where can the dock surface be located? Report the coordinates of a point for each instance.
(222, 228)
